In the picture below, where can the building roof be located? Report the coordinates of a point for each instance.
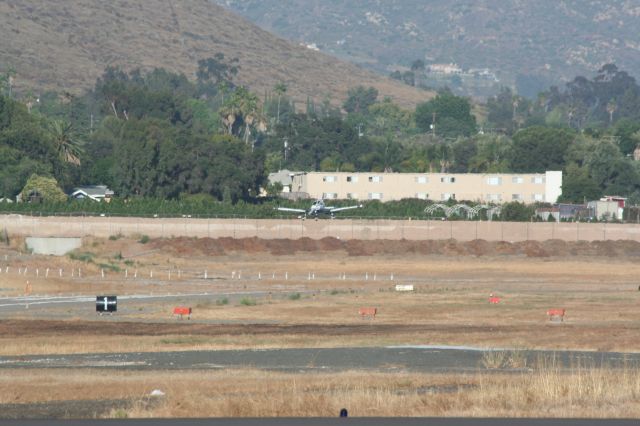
(95, 192)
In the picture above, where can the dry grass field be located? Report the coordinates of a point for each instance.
(543, 392)
(317, 306)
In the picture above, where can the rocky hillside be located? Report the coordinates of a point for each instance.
(531, 42)
(65, 45)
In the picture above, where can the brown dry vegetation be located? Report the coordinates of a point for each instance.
(449, 306)
(63, 46)
(544, 391)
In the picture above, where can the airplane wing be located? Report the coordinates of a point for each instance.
(339, 209)
(285, 209)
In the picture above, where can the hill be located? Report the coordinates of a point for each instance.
(66, 45)
(525, 43)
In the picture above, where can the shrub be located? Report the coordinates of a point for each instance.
(223, 301)
(109, 267)
(86, 257)
(247, 301)
(294, 296)
(144, 239)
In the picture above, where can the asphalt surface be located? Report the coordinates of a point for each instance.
(389, 359)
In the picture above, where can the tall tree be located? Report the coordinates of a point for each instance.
(450, 114)
(359, 99)
(537, 149)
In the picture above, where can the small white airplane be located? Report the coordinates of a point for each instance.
(318, 208)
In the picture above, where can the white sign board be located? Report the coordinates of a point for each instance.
(404, 287)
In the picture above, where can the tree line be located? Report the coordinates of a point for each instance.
(159, 135)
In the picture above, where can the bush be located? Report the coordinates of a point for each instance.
(109, 267)
(247, 301)
(294, 296)
(83, 257)
(144, 239)
(223, 301)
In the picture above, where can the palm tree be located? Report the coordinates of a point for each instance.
(229, 112)
(67, 145)
(280, 90)
(248, 105)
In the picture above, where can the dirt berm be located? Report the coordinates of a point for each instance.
(184, 246)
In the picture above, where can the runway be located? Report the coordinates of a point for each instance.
(420, 359)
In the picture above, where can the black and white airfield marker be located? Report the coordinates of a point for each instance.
(106, 304)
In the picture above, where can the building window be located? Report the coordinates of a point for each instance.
(352, 196)
(537, 179)
(375, 179)
(375, 195)
(447, 196)
(537, 197)
(516, 197)
(422, 196)
(448, 179)
(422, 179)
(494, 197)
(329, 179)
(494, 180)
(517, 179)
(329, 195)
(352, 179)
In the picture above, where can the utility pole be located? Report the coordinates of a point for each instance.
(433, 125)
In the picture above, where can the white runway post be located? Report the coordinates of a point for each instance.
(309, 277)
(135, 274)
(37, 272)
(205, 275)
(169, 274)
(46, 274)
(126, 274)
(366, 276)
(286, 275)
(60, 272)
(259, 276)
(239, 274)
(313, 276)
(73, 272)
(233, 275)
(102, 272)
(391, 277)
(151, 273)
(25, 272)
(273, 276)
(79, 273)
(374, 277)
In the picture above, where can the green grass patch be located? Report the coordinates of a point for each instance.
(86, 256)
(294, 296)
(109, 267)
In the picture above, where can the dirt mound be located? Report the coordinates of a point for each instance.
(184, 246)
